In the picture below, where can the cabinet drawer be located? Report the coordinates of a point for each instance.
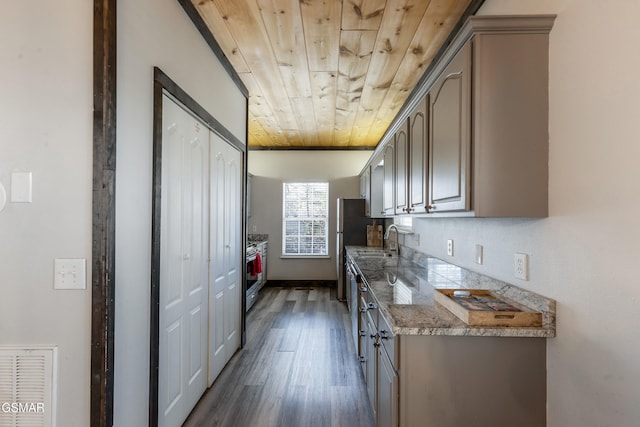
(388, 340)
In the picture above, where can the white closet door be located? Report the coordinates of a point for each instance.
(183, 264)
(225, 288)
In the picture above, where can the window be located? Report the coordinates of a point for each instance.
(305, 224)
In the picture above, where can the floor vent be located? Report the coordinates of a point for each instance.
(27, 384)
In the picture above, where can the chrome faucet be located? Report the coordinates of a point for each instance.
(393, 246)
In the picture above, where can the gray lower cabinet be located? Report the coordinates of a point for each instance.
(387, 413)
(371, 364)
(449, 381)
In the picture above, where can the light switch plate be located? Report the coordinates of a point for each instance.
(21, 187)
(3, 197)
(450, 247)
(479, 254)
(70, 273)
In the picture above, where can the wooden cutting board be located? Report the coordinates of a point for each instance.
(374, 235)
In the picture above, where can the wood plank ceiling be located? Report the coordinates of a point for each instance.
(328, 73)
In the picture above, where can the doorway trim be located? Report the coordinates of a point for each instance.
(103, 205)
(163, 85)
(103, 213)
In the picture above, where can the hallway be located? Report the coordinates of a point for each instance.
(297, 369)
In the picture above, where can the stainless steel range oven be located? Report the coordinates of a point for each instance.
(252, 275)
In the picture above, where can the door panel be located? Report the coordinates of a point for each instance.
(450, 143)
(225, 248)
(173, 355)
(183, 259)
(195, 362)
(419, 167)
(401, 170)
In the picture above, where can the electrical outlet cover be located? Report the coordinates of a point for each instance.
(521, 266)
(450, 247)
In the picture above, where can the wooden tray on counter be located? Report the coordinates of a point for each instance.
(374, 235)
(485, 308)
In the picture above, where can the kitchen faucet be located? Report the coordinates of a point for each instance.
(393, 247)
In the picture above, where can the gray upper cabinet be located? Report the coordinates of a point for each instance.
(449, 142)
(477, 139)
(418, 150)
(377, 182)
(365, 190)
(402, 170)
(388, 193)
(371, 188)
(488, 136)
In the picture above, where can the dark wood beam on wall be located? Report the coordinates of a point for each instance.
(103, 205)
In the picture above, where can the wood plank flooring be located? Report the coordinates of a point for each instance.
(298, 368)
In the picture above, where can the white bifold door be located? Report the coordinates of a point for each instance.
(225, 298)
(200, 280)
(184, 255)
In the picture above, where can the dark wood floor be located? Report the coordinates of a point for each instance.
(297, 369)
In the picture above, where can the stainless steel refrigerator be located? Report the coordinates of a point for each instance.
(351, 230)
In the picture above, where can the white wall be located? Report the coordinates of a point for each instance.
(270, 170)
(46, 128)
(585, 255)
(151, 33)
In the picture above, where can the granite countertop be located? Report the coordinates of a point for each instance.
(257, 239)
(404, 290)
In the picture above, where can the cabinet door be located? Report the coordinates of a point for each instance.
(387, 392)
(363, 337)
(450, 140)
(401, 170)
(365, 190)
(371, 371)
(377, 184)
(388, 202)
(362, 184)
(418, 168)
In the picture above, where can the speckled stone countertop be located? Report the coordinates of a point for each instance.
(404, 290)
(257, 238)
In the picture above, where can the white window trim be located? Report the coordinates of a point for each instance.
(285, 255)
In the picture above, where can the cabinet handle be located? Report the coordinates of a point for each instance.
(383, 335)
(361, 359)
(381, 212)
(371, 306)
(428, 208)
(363, 289)
(373, 336)
(363, 309)
(363, 332)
